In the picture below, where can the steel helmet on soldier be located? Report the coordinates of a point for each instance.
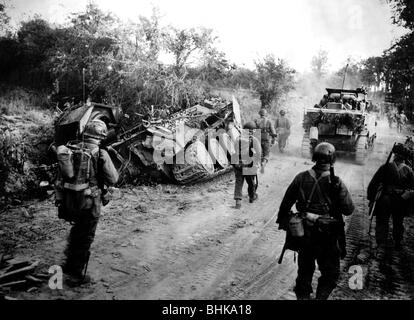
(96, 129)
(282, 112)
(400, 151)
(263, 112)
(324, 153)
(249, 125)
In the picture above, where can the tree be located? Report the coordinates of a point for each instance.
(214, 64)
(273, 80)
(184, 42)
(319, 63)
(399, 63)
(4, 19)
(403, 12)
(372, 71)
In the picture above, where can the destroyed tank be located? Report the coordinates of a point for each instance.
(341, 119)
(185, 147)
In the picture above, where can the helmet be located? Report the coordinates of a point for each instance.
(401, 151)
(282, 112)
(324, 153)
(263, 112)
(249, 125)
(96, 129)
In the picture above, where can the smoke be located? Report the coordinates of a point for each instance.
(351, 28)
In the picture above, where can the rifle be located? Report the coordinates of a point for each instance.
(378, 195)
(334, 185)
(285, 247)
(88, 255)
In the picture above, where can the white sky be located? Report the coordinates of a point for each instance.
(294, 30)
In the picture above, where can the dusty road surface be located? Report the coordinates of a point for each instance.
(189, 242)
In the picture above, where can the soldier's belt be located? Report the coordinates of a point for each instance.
(75, 187)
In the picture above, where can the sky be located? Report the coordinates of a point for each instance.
(294, 30)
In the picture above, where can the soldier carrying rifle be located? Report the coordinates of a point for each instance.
(321, 199)
(391, 192)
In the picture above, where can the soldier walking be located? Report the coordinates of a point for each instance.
(79, 199)
(394, 183)
(282, 126)
(267, 131)
(245, 162)
(321, 199)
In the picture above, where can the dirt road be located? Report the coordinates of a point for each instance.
(173, 242)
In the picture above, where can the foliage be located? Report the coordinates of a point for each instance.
(273, 80)
(372, 71)
(184, 42)
(319, 63)
(403, 12)
(354, 123)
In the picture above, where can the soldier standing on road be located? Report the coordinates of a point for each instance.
(322, 201)
(83, 208)
(267, 131)
(282, 126)
(396, 180)
(245, 162)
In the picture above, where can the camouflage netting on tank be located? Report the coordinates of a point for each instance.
(23, 151)
(352, 122)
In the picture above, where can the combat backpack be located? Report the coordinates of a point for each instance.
(73, 190)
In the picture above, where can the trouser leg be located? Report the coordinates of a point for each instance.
(382, 221)
(238, 187)
(306, 268)
(265, 151)
(397, 225)
(328, 262)
(80, 240)
(251, 182)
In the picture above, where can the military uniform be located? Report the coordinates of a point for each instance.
(310, 190)
(86, 209)
(282, 126)
(395, 178)
(267, 132)
(245, 162)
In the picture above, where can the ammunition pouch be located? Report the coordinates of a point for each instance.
(328, 225)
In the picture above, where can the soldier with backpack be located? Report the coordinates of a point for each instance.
(85, 170)
(321, 199)
(282, 126)
(267, 132)
(245, 162)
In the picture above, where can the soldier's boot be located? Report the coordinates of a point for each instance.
(238, 204)
(73, 281)
(255, 197)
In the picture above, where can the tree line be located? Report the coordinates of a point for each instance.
(96, 54)
(113, 61)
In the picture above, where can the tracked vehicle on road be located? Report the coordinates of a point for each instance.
(341, 119)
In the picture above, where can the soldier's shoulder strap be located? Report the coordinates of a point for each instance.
(317, 188)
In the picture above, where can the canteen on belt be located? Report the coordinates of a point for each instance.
(296, 226)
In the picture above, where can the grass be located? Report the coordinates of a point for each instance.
(28, 105)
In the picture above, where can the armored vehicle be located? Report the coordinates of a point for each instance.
(187, 146)
(340, 118)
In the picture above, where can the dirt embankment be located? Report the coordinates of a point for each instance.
(26, 131)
